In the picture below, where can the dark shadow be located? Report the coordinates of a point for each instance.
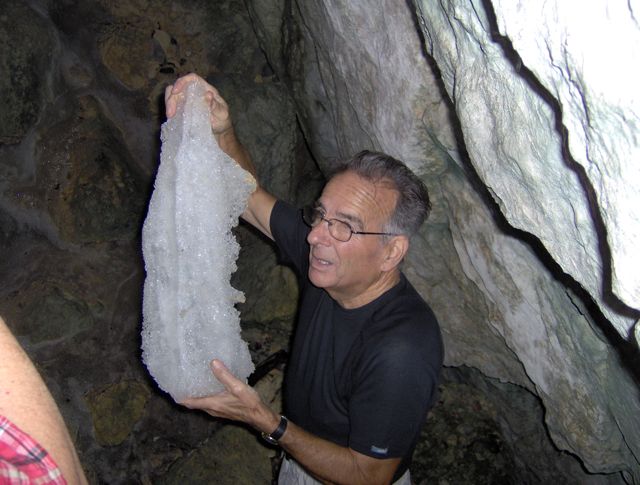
(275, 360)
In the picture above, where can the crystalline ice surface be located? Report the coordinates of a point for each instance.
(189, 251)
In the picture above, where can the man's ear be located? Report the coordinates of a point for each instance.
(396, 250)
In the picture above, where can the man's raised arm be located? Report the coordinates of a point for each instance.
(261, 202)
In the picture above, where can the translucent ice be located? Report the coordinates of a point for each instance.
(189, 252)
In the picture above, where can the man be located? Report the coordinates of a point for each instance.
(367, 353)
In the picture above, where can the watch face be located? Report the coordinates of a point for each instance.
(269, 439)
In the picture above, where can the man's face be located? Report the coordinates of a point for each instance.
(351, 272)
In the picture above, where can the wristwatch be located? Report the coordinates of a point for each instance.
(277, 434)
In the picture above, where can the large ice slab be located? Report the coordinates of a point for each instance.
(189, 250)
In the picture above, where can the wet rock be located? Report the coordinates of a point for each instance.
(26, 51)
(54, 314)
(232, 456)
(116, 409)
(270, 290)
(85, 180)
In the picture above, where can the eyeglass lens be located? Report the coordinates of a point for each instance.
(337, 228)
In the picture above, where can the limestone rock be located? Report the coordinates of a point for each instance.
(231, 456)
(564, 355)
(594, 78)
(116, 409)
(26, 51)
(54, 315)
(179, 38)
(85, 187)
(271, 290)
(485, 431)
(510, 120)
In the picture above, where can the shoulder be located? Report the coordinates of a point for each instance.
(401, 351)
(405, 330)
(406, 315)
(281, 212)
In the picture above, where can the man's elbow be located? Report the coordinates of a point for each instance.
(374, 471)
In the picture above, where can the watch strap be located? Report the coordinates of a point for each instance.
(273, 437)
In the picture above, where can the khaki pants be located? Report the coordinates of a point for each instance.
(293, 474)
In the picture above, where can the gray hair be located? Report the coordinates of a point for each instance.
(413, 205)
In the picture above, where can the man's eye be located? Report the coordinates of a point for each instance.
(345, 226)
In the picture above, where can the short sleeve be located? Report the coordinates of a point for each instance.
(393, 388)
(290, 235)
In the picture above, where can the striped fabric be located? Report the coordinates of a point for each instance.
(23, 461)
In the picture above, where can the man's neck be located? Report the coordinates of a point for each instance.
(384, 284)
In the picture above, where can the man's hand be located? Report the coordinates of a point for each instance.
(238, 402)
(327, 461)
(219, 116)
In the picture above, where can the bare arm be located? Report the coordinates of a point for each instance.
(26, 401)
(325, 460)
(260, 204)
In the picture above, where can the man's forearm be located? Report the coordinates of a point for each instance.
(260, 204)
(331, 463)
(229, 143)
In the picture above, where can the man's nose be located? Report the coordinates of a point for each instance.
(320, 234)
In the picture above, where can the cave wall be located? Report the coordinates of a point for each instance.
(526, 259)
(81, 85)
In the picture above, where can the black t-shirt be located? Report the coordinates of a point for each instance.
(362, 378)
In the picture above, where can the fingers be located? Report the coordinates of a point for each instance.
(219, 405)
(219, 110)
(215, 99)
(169, 102)
(185, 80)
(219, 115)
(205, 403)
(173, 92)
(223, 374)
(217, 104)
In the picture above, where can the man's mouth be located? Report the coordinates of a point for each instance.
(316, 261)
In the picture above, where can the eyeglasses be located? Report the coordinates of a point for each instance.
(338, 229)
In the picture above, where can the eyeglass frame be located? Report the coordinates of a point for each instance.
(309, 209)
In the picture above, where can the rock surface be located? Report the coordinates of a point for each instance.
(514, 82)
(522, 128)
